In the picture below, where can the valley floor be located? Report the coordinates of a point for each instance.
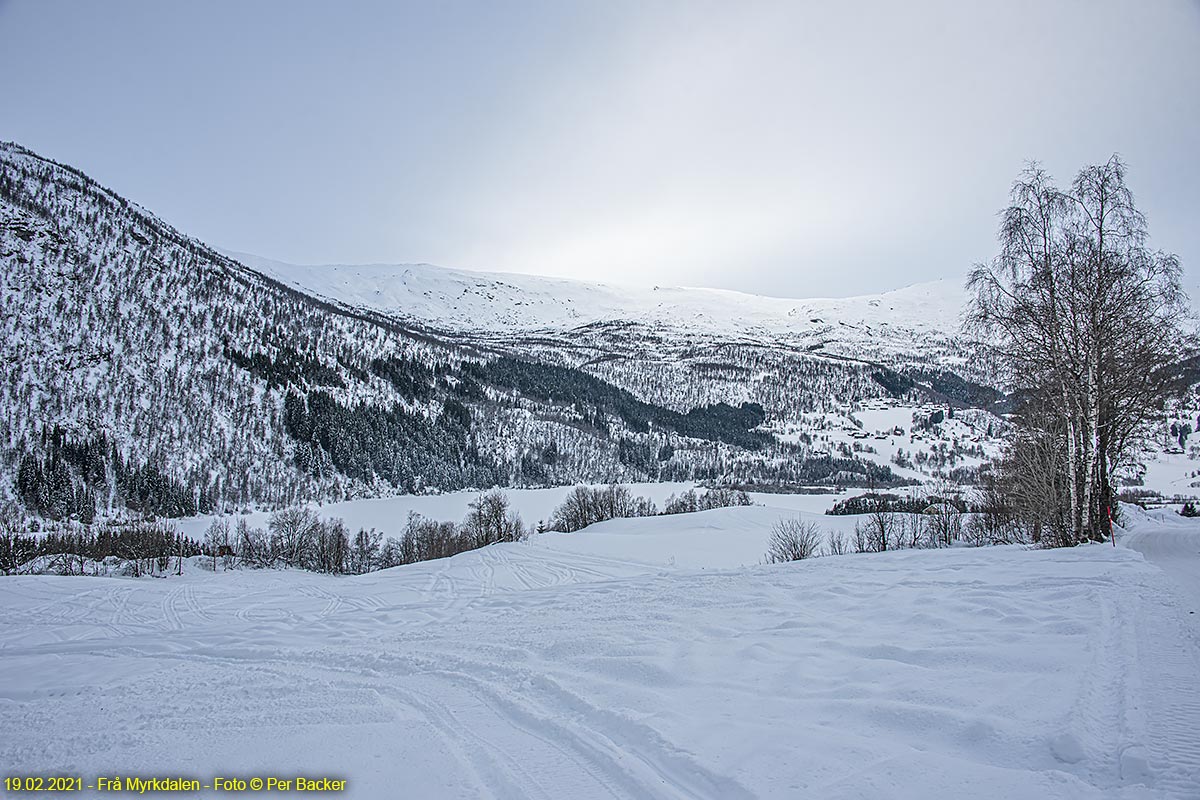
(632, 660)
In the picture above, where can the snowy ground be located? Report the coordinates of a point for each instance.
(638, 659)
(390, 514)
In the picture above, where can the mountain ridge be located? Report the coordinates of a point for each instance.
(484, 302)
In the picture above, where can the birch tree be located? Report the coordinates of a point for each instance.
(1087, 319)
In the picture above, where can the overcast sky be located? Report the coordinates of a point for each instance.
(791, 148)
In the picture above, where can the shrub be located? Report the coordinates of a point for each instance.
(585, 506)
(793, 539)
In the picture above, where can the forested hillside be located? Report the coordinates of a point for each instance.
(144, 370)
(683, 348)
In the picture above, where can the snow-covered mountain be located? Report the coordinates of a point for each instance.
(484, 302)
(682, 347)
(142, 368)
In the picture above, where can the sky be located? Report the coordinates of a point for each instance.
(785, 148)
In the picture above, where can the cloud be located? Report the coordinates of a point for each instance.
(782, 147)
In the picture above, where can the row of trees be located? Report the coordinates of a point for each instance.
(295, 537)
(489, 520)
(586, 505)
(940, 524)
(298, 538)
(1088, 321)
(136, 548)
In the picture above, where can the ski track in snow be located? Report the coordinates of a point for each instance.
(544, 669)
(1168, 648)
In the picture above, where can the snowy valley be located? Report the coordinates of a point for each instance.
(599, 400)
(147, 372)
(155, 385)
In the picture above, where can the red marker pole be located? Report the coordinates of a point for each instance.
(1110, 527)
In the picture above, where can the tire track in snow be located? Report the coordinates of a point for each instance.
(170, 609)
(629, 754)
(333, 602)
(641, 767)
(69, 610)
(627, 751)
(1171, 668)
(480, 717)
(504, 779)
(122, 615)
(193, 604)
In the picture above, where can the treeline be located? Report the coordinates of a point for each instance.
(489, 520)
(874, 502)
(405, 448)
(595, 399)
(298, 538)
(888, 522)
(295, 538)
(75, 474)
(139, 547)
(586, 505)
(717, 497)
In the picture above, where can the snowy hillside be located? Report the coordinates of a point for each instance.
(143, 370)
(634, 660)
(677, 346)
(800, 360)
(463, 301)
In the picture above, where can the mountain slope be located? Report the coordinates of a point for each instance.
(142, 368)
(492, 303)
(686, 347)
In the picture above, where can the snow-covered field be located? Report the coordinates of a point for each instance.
(389, 515)
(650, 658)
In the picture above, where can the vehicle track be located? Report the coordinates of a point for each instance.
(1171, 668)
(546, 734)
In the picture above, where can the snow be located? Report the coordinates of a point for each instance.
(482, 301)
(640, 658)
(1171, 543)
(1168, 639)
(1170, 473)
(389, 515)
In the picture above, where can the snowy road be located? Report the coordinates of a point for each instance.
(1169, 646)
(1173, 545)
(562, 668)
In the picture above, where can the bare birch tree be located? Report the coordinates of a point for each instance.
(1088, 321)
